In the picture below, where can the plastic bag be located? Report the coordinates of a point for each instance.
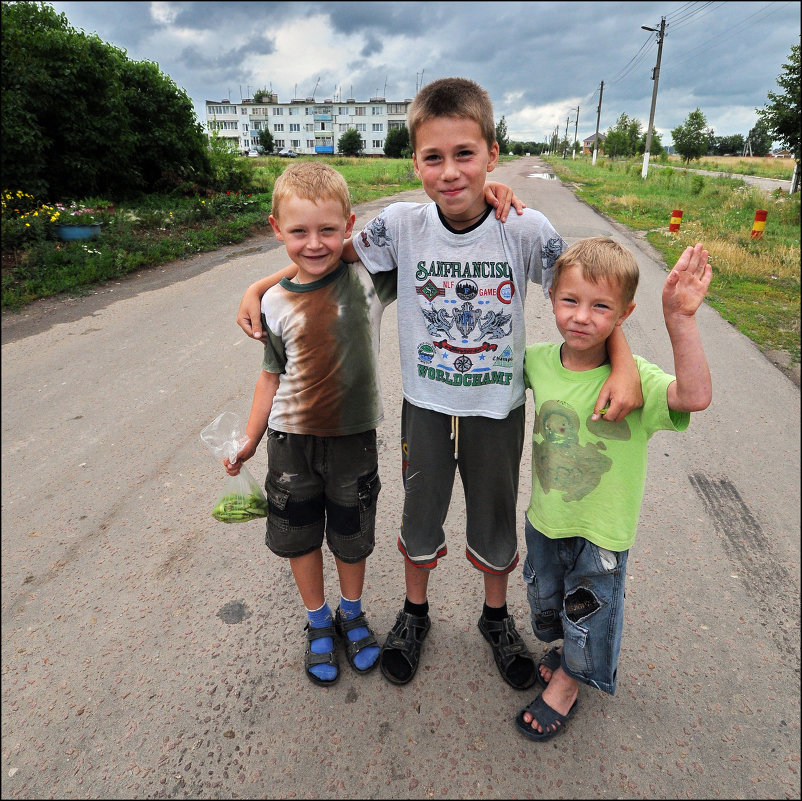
(242, 498)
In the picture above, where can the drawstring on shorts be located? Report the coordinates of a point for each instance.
(455, 434)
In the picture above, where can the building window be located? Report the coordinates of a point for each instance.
(295, 126)
(221, 109)
(393, 125)
(279, 143)
(343, 110)
(279, 126)
(309, 126)
(310, 142)
(278, 111)
(361, 126)
(359, 111)
(378, 143)
(295, 142)
(396, 108)
(243, 110)
(378, 126)
(377, 110)
(294, 111)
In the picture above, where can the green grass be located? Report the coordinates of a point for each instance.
(756, 283)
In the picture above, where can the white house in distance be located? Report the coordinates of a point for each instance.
(306, 125)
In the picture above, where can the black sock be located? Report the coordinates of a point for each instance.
(496, 613)
(418, 610)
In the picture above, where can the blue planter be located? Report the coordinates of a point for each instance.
(73, 231)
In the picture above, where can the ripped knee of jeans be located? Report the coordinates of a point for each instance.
(579, 604)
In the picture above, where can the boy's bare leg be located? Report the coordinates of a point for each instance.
(352, 578)
(417, 582)
(559, 695)
(308, 573)
(495, 589)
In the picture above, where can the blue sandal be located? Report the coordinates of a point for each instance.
(311, 658)
(352, 648)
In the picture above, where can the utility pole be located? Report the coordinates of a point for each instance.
(655, 78)
(576, 128)
(565, 138)
(598, 117)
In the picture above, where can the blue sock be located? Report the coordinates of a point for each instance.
(367, 656)
(318, 619)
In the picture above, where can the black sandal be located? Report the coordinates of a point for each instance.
(403, 646)
(311, 659)
(352, 648)
(552, 660)
(508, 647)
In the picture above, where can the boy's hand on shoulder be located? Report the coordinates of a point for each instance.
(686, 285)
(501, 197)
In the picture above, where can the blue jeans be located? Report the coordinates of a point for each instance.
(576, 593)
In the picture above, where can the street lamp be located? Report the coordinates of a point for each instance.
(655, 78)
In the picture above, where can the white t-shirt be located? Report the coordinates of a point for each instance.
(460, 302)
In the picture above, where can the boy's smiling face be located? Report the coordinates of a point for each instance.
(313, 234)
(452, 160)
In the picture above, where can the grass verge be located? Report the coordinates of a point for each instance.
(756, 283)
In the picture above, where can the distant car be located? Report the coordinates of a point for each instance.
(252, 154)
(287, 153)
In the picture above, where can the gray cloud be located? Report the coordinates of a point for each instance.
(537, 60)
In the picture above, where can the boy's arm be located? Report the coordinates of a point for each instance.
(683, 293)
(266, 386)
(621, 392)
(249, 314)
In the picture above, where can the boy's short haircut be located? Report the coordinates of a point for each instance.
(452, 97)
(313, 181)
(601, 258)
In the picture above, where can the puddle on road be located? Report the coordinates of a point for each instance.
(547, 175)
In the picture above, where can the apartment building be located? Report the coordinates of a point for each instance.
(306, 125)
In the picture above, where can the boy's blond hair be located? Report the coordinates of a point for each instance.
(452, 97)
(313, 181)
(601, 258)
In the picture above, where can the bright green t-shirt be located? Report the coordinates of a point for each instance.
(588, 476)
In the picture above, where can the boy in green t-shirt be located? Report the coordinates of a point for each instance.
(588, 475)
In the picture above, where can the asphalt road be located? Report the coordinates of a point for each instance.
(149, 651)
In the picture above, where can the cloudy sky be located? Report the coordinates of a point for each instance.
(539, 61)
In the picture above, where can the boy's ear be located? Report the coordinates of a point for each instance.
(276, 228)
(415, 165)
(349, 225)
(629, 309)
(493, 161)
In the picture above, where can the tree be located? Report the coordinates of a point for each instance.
(781, 113)
(350, 143)
(79, 118)
(501, 135)
(623, 138)
(396, 144)
(691, 138)
(729, 145)
(760, 139)
(656, 148)
(266, 140)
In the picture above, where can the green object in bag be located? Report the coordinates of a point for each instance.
(236, 508)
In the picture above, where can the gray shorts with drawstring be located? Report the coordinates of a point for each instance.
(488, 455)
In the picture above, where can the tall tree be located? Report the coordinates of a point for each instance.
(760, 139)
(781, 113)
(691, 138)
(266, 140)
(396, 143)
(623, 138)
(350, 143)
(79, 118)
(501, 135)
